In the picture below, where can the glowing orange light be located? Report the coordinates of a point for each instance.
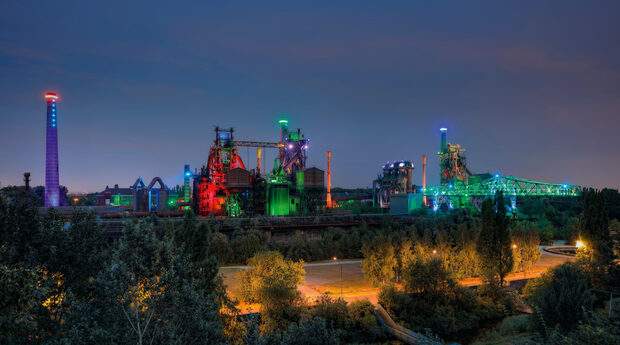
(51, 95)
(76, 199)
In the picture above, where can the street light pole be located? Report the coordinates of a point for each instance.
(524, 266)
(341, 281)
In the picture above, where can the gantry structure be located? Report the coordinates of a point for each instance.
(509, 185)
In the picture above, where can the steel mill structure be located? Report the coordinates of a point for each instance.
(52, 186)
(397, 179)
(225, 187)
(458, 186)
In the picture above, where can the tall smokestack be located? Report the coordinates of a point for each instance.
(443, 139)
(329, 179)
(283, 129)
(27, 181)
(52, 187)
(258, 156)
(424, 177)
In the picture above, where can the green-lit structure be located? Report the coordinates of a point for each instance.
(291, 188)
(462, 195)
(460, 188)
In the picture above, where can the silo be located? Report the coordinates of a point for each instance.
(279, 201)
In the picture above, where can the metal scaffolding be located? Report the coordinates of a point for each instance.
(509, 185)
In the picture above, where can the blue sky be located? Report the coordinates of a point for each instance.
(529, 88)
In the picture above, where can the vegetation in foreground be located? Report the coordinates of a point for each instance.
(65, 284)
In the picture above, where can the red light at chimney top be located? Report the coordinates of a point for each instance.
(51, 95)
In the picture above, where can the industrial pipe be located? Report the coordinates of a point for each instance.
(258, 156)
(329, 180)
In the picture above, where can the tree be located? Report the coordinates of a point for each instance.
(81, 253)
(272, 281)
(299, 249)
(594, 228)
(145, 295)
(428, 279)
(525, 241)
(247, 243)
(364, 326)
(563, 295)
(334, 311)
(267, 272)
(379, 260)
(23, 317)
(220, 247)
(432, 299)
(311, 332)
(494, 245)
(404, 256)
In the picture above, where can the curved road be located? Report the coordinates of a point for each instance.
(327, 263)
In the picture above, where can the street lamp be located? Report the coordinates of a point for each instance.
(335, 259)
(521, 256)
(579, 244)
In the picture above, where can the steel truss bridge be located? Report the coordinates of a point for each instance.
(509, 185)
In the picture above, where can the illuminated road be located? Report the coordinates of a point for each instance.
(324, 277)
(315, 264)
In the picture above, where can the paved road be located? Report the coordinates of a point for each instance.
(327, 263)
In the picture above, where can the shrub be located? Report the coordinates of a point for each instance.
(563, 297)
(515, 324)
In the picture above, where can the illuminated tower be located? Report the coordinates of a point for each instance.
(52, 188)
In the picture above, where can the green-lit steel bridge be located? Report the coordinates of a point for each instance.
(509, 185)
(461, 194)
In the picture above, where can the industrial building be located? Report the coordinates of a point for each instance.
(224, 187)
(458, 186)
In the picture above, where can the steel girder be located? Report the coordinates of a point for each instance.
(509, 185)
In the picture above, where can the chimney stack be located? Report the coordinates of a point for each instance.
(27, 181)
(329, 179)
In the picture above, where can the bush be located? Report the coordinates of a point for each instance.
(563, 296)
(312, 332)
(334, 311)
(432, 299)
(220, 248)
(515, 324)
(247, 243)
(364, 325)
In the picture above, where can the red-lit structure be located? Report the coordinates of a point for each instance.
(210, 188)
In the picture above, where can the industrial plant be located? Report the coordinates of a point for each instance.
(224, 187)
(458, 188)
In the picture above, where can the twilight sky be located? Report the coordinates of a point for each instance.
(530, 88)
